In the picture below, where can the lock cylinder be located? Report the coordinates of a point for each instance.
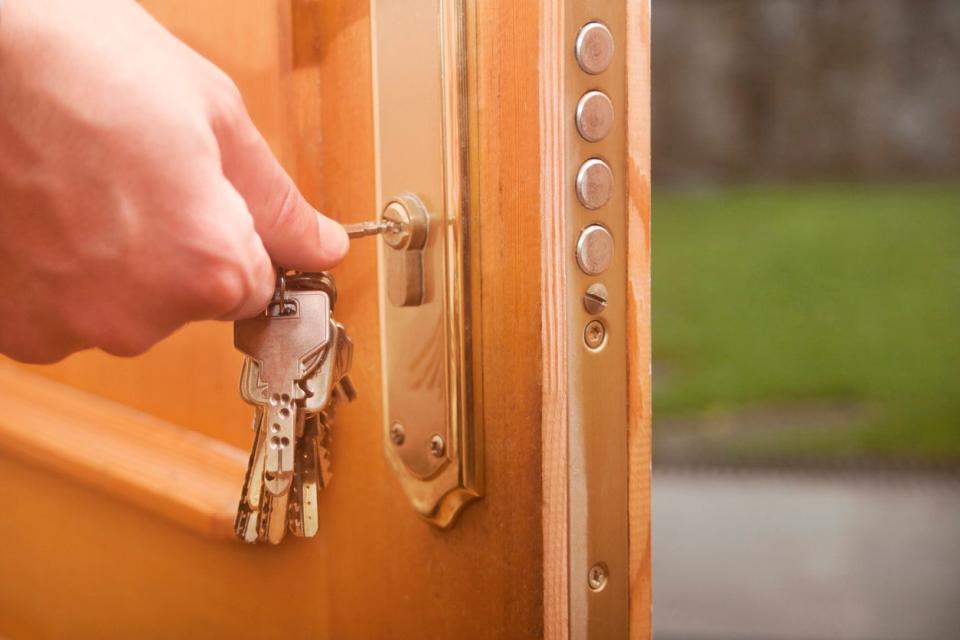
(406, 238)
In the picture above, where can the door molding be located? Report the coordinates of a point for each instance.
(173, 472)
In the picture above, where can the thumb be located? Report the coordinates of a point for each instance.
(295, 234)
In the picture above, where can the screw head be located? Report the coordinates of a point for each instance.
(595, 298)
(437, 446)
(397, 434)
(594, 334)
(597, 577)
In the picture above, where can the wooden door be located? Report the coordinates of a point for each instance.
(121, 476)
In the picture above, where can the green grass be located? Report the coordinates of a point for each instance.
(769, 295)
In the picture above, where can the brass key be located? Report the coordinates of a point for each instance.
(313, 362)
(283, 343)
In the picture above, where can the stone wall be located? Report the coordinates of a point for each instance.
(773, 90)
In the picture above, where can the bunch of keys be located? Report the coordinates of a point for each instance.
(295, 372)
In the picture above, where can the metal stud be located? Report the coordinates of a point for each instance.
(594, 116)
(594, 47)
(594, 250)
(594, 183)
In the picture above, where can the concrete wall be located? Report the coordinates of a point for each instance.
(772, 90)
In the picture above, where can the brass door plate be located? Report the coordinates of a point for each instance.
(593, 62)
(431, 432)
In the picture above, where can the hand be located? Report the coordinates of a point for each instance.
(135, 193)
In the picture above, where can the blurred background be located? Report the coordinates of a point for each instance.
(806, 282)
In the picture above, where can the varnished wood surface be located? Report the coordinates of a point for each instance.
(175, 473)
(638, 314)
(77, 563)
(553, 352)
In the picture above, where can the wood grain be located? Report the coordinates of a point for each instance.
(553, 129)
(175, 473)
(638, 314)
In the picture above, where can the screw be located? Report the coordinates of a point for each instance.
(594, 334)
(595, 298)
(597, 576)
(397, 433)
(437, 446)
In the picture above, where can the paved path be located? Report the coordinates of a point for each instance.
(750, 555)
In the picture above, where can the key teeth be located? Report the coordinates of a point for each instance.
(270, 503)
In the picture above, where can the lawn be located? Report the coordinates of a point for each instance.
(771, 300)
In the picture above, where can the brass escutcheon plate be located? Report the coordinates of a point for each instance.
(430, 429)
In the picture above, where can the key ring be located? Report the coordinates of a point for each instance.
(314, 281)
(282, 289)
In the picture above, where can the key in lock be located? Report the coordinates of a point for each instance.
(404, 224)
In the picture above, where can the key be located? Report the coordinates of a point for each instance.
(304, 515)
(248, 511)
(344, 362)
(272, 524)
(302, 502)
(251, 390)
(281, 360)
(322, 385)
(324, 467)
(376, 227)
(313, 469)
(284, 343)
(319, 386)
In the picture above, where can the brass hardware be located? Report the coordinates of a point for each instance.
(594, 47)
(594, 183)
(407, 237)
(597, 577)
(432, 436)
(437, 446)
(594, 250)
(594, 116)
(594, 334)
(597, 346)
(595, 298)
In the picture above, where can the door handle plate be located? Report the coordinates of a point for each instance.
(431, 427)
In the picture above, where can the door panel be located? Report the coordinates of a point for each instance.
(79, 562)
